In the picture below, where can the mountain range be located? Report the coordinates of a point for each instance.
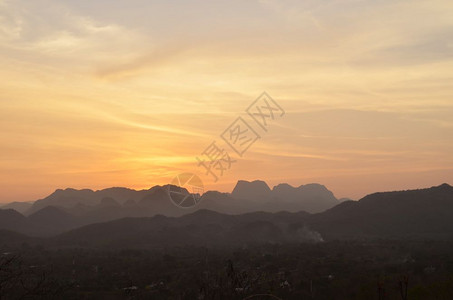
(71, 208)
(414, 214)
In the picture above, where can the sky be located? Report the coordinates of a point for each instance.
(95, 94)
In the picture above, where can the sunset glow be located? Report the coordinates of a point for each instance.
(128, 93)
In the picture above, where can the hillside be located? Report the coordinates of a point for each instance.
(423, 213)
(408, 214)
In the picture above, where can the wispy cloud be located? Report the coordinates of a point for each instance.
(91, 95)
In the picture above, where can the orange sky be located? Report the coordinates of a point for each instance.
(97, 94)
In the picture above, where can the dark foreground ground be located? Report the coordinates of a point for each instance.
(329, 270)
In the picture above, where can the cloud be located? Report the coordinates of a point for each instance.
(155, 58)
(135, 89)
(56, 35)
(434, 47)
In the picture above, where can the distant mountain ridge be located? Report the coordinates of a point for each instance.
(254, 195)
(70, 197)
(312, 198)
(21, 207)
(420, 212)
(414, 214)
(251, 190)
(246, 197)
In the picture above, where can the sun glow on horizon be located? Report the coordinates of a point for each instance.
(130, 95)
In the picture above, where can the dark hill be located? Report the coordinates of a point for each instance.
(203, 227)
(12, 220)
(409, 214)
(423, 213)
(52, 220)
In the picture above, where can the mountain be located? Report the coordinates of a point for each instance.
(69, 198)
(158, 200)
(113, 203)
(108, 201)
(65, 198)
(404, 214)
(415, 214)
(254, 190)
(12, 220)
(202, 228)
(225, 203)
(52, 220)
(21, 207)
(45, 222)
(312, 198)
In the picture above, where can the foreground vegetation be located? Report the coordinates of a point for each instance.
(330, 270)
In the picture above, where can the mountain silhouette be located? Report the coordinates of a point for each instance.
(311, 197)
(423, 213)
(254, 190)
(12, 220)
(69, 197)
(53, 220)
(112, 203)
(203, 227)
(21, 207)
(410, 214)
